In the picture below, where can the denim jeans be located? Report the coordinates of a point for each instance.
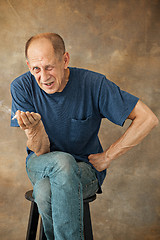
(59, 186)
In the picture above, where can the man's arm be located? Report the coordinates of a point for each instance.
(37, 138)
(143, 120)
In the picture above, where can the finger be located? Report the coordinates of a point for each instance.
(97, 167)
(18, 113)
(19, 119)
(92, 157)
(25, 119)
(30, 117)
(36, 116)
(94, 161)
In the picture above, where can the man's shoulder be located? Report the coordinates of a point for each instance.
(24, 84)
(86, 72)
(22, 79)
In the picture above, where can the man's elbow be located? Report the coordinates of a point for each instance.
(41, 153)
(43, 149)
(148, 116)
(153, 120)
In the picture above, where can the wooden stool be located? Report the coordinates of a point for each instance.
(34, 217)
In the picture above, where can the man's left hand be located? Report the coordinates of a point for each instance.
(99, 161)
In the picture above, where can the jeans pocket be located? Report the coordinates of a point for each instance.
(88, 179)
(90, 189)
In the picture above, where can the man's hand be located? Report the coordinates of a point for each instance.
(27, 120)
(99, 161)
(31, 123)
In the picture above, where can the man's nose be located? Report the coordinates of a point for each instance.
(44, 76)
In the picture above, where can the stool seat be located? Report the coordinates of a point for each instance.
(29, 197)
(34, 217)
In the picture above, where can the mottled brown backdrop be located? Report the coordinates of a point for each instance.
(121, 39)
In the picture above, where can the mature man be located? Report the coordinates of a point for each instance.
(60, 109)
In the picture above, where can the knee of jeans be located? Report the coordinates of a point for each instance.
(65, 162)
(66, 167)
(42, 194)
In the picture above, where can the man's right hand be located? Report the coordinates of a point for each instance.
(27, 120)
(31, 123)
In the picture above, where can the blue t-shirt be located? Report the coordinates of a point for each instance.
(72, 117)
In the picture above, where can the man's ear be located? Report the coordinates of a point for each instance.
(28, 65)
(66, 60)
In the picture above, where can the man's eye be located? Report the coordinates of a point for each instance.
(49, 68)
(36, 69)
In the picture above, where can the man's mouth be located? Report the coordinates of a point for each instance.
(49, 84)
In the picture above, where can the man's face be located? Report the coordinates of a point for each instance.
(50, 72)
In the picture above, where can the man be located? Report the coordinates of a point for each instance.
(60, 109)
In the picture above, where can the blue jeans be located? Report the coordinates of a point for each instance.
(59, 186)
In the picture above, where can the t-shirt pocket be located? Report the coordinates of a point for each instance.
(83, 130)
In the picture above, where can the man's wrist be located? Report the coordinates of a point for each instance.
(32, 130)
(108, 156)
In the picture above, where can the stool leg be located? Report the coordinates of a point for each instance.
(33, 222)
(42, 235)
(88, 235)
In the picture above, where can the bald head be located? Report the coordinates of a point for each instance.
(55, 39)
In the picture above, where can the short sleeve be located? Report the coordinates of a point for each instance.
(21, 100)
(114, 103)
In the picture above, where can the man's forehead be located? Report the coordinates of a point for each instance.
(40, 50)
(40, 41)
(40, 45)
(40, 60)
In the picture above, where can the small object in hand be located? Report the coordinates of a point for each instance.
(14, 117)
